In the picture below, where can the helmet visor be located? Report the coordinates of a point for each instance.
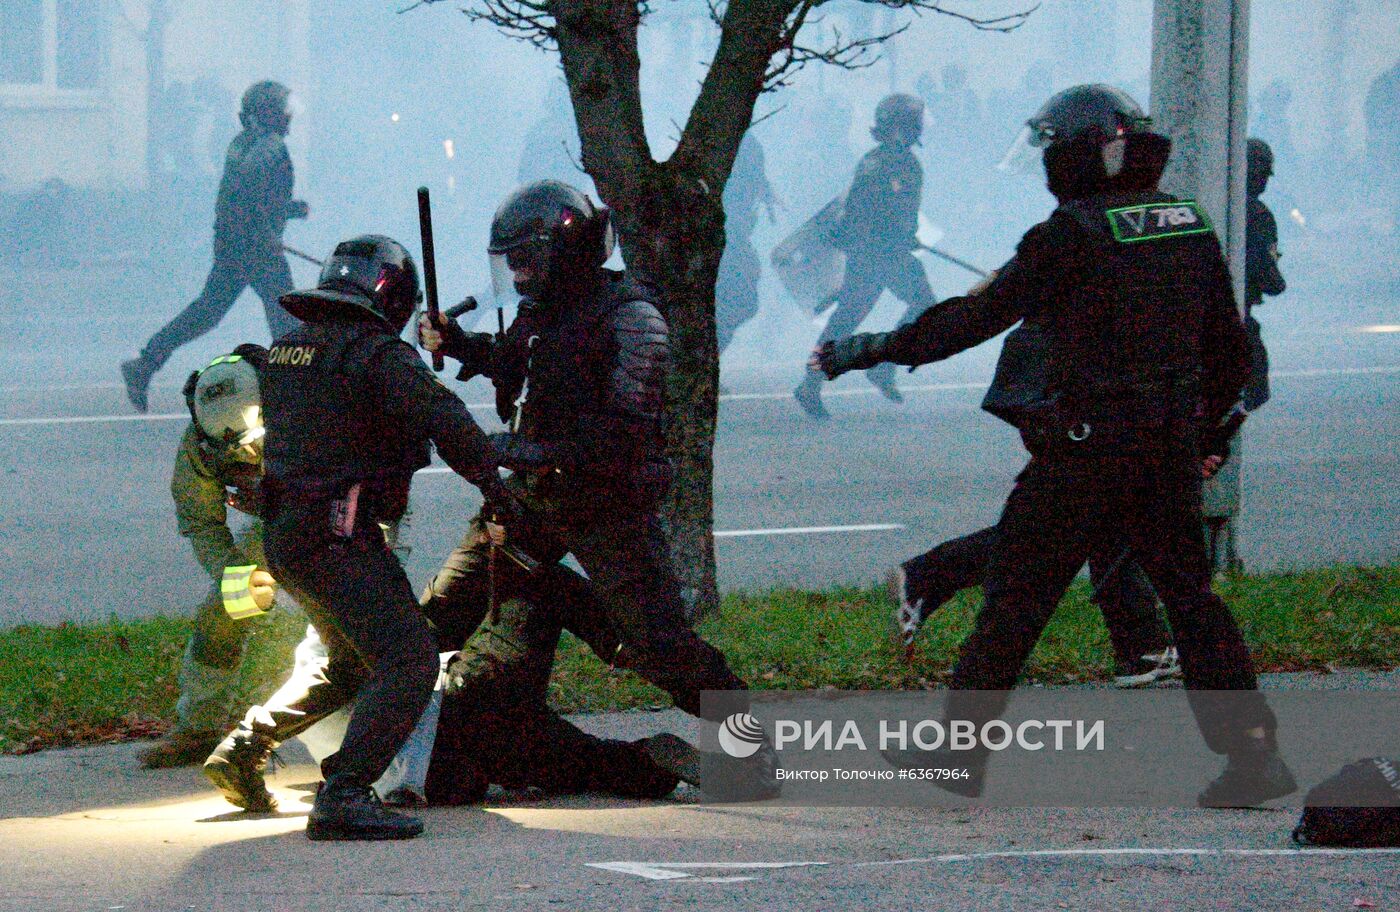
(503, 288)
(521, 270)
(1024, 154)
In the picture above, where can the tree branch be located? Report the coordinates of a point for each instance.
(1007, 23)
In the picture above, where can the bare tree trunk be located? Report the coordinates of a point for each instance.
(669, 215)
(671, 225)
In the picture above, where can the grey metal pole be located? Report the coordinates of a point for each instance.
(1199, 98)
(1200, 95)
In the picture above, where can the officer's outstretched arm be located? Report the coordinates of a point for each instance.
(957, 324)
(428, 409)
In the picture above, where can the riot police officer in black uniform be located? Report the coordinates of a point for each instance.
(877, 230)
(579, 379)
(1261, 273)
(1146, 354)
(255, 201)
(351, 410)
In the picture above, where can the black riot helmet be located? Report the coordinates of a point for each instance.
(544, 237)
(370, 274)
(899, 119)
(266, 104)
(1096, 113)
(1084, 132)
(1259, 166)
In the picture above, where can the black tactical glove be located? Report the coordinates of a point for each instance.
(500, 506)
(858, 352)
(520, 455)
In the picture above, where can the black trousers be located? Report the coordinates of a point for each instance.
(1068, 503)
(381, 649)
(270, 277)
(496, 726)
(635, 618)
(1121, 589)
(867, 275)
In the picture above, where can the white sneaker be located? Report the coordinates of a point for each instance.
(1151, 668)
(908, 616)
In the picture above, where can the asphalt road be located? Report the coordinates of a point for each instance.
(88, 528)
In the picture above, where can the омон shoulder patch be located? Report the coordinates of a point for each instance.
(1154, 221)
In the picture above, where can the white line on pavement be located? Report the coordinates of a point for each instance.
(674, 871)
(727, 397)
(809, 530)
(856, 391)
(93, 419)
(1106, 853)
(668, 870)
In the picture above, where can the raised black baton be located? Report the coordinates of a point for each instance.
(425, 232)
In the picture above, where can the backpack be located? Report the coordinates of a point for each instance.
(1358, 807)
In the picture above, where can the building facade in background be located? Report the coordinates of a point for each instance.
(77, 94)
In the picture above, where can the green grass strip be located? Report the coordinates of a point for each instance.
(92, 683)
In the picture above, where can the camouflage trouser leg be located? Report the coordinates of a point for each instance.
(210, 665)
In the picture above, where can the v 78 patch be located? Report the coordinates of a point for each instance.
(1153, 221)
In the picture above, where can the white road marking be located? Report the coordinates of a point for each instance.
(1108, 853)
(728, 397)
(809, 530)
(93, 419)
(857, 391)
(668, 870)
(756, 533)
(675, 871)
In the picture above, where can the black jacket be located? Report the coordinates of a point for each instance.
(255, 197)
(881, 212)
(1261, 272)
(346, 401)
(592, 372)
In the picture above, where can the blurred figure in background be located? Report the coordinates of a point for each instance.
(1262, 276)
(1383, 140)
(877, 230)
(736, 291)
(255, 201)
(1221, 493)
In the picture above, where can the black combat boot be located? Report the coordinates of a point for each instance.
(236, 768)
(1254, 773)
(137, 374)
(720, 776)
(354, 812)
